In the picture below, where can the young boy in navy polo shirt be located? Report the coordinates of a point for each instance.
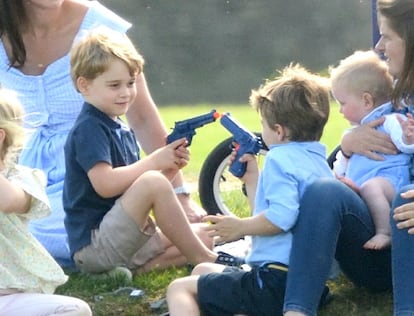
(109, 191)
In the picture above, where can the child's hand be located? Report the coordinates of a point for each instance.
(349, 183)
(183, 155)
(171, 157)
(408, 128)
(223, 228)
(252, 169)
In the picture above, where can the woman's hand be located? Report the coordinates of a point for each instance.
(404, 214)
(367, 141)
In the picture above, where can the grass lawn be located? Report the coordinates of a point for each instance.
(348, 300)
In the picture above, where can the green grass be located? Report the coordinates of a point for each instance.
(348, 300)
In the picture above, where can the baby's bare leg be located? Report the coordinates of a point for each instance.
(153, 191)
(378, 194)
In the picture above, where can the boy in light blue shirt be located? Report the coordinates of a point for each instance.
(294, 109)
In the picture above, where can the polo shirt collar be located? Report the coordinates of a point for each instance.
(92, 110)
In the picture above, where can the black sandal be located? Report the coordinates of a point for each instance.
(229, 260)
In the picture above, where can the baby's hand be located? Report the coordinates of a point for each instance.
(408, 128)
(349, 183)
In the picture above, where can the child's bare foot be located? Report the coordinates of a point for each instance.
(379, 241)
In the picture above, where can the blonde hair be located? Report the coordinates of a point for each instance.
(297, 100)
(361, 72)
(92, 55)
(11, 121)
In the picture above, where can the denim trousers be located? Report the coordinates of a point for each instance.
(333, 222)
(402, 264)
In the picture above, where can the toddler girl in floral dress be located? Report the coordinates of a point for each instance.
(28, 274)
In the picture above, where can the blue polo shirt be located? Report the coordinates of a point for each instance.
(94, 138)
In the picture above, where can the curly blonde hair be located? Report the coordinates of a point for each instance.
(11, 121)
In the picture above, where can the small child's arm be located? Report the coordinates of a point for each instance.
(251, 175)
(13, 199)
(169, 158)
(339, 167)
(23, 192)
(349, 183)
(340, 164)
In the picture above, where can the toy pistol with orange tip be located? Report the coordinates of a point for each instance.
(247, 142)
(186, 128)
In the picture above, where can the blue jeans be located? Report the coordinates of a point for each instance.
(402, 264)
(333, 222)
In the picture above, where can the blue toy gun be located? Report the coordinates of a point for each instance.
(187, 127)
(247, 142)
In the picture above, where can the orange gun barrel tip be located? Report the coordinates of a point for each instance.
(216, 115)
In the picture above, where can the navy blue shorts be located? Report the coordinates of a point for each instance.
(260, 291)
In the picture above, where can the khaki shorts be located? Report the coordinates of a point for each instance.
(119, 242)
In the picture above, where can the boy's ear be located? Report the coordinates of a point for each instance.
(82, 85)
(368, 100)
(280, 132)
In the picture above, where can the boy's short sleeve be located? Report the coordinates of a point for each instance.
(88, 151)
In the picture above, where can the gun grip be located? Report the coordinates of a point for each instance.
(237, 168)
(173, 137)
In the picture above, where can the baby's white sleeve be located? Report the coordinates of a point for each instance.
(340, 164)
(393, 127)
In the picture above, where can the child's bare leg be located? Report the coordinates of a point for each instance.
(153, 191)
(172, 256)
(182, 292)
(43, 304)
(182, 297)
(378, 194)
(207, 267)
